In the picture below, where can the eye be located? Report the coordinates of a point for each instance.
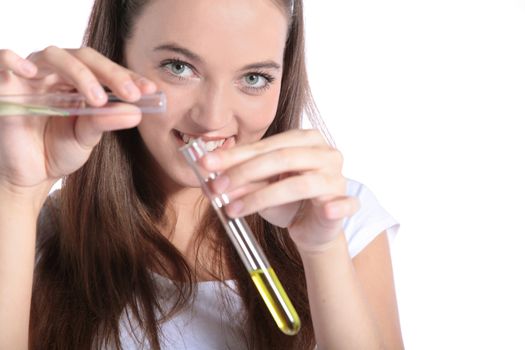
(257, 81)
(178, 69)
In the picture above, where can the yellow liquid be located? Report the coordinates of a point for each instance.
(276, 300)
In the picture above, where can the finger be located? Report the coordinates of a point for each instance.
(242, 191)
(340, 208)
(282, 215)
(10, 61)
(291, 189)
(122, 81)
(145, 85)
(281, 161)
(55, 60)
(89, 129)
(223, 159)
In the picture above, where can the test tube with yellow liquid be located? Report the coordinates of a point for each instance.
(254, 259)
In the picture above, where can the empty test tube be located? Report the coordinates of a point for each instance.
(73, 104)
(254, 259)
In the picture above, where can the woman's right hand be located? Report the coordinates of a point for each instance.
(37, 151)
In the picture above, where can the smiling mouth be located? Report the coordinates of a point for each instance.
(210, 145)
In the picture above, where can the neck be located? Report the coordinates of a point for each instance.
(184, 211)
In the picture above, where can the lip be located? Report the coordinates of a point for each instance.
(230, 140)
(204, 138)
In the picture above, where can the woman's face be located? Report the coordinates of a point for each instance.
(220, 65)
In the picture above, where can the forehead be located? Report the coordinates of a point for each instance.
(221, 29)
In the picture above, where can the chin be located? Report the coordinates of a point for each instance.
(183, 176)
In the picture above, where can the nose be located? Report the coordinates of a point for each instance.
(213, 108)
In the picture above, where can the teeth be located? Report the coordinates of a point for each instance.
(186, 138)
(210, 145)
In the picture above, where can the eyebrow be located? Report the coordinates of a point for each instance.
(268, 64)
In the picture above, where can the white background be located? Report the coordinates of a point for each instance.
(424, 98)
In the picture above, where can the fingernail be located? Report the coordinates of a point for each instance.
(146, 83)
(334, 212)
(235, 208)
(221, 183)
(131, 90)
(27, 68)
(97, 92)
(225, 199)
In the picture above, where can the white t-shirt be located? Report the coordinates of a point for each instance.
(211, 324)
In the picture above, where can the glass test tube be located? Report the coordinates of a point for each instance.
(254, 259)
(73, 104)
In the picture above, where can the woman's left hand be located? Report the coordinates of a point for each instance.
(292, 180)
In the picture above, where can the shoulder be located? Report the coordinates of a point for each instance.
(369, 221)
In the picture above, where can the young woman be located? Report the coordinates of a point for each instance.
(128, 252)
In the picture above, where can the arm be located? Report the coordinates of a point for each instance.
(353, 302)
(35, 152)
(18, 217)
(294, 180)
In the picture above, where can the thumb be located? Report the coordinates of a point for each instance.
(88, 130)
(282, 215)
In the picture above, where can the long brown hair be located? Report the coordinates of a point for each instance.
(101, 242)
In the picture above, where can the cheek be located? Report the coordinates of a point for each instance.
(178, 101)
(157, 136)
(157, 130)
(258, 112)
(162, 146)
